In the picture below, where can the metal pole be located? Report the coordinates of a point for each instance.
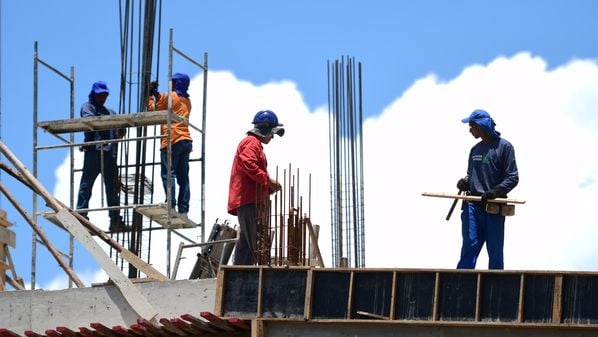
(34, 201)
(169, 195)
(203, 148)
(72, 173)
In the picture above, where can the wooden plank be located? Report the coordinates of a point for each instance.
(314, 242)
(171, 328)
(151, 327)
(371, 315)
(7, 333)
(30, 333)
(7, 237)
(219, 296)
(520, 305)
(260, 293)
(393, 295)
(241, 325)
(473, 198)
(557, 299)
(200, 324)
(478, 297)
(436, 301)
(217, 322)
(107, 122)
(350, 299)
(159, 214)
(53, 333)
(308, 294)
(128, 290)
(67, 332)
(184, 326)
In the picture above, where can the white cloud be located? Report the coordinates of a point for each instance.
(419, 144)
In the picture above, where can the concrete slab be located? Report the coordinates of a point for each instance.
(39, 310)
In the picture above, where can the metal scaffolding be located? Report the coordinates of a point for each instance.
(140, 212)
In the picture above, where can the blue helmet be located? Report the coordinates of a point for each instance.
(266, 117)
(266, 124)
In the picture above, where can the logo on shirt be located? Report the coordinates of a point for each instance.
(482, 158)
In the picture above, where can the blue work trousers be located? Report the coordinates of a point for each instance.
(92, 167)
(479, 227)
(180, 173)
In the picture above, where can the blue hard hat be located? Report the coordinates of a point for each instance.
(266, 117)
(266, 124)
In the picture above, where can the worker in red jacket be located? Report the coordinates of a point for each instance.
(250, 183)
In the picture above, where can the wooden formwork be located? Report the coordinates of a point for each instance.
(478, 297)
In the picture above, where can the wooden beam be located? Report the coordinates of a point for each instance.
(473, 198)
(129, 291)
(314, 241)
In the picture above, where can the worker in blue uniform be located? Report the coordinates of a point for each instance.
(100, 157)
(491, 173)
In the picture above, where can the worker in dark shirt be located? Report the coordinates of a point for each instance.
(101, 157)
(491, 173)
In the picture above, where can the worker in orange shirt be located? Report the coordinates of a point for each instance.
(182, 144)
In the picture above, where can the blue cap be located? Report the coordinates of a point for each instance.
(100, 87)
(476, 115)
(483, 119)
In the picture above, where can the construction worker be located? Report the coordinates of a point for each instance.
(250, 183)
(100, 158)
(180, 138)
(491, 173)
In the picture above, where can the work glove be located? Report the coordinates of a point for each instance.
(492, 194)
(153, 89)
(463, 184)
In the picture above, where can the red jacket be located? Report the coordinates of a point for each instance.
(248, 172)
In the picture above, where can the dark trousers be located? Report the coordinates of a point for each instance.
(180, 173)
(245, 248)
(92, 167)
(479, 227)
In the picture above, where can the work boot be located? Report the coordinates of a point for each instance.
(118, 225)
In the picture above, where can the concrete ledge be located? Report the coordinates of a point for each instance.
(39, 310)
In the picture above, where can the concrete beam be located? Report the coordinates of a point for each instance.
(39, 310)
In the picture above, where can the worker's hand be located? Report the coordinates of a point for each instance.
(463, 184)
(274, 186)
(492, 194)
(153, 89)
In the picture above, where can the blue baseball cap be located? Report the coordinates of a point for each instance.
(476, 115)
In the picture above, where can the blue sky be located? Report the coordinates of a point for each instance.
(407, 48)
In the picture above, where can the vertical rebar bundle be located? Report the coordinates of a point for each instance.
(345, 116)
(283, 227)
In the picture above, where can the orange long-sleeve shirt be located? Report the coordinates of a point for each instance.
(181, 106)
